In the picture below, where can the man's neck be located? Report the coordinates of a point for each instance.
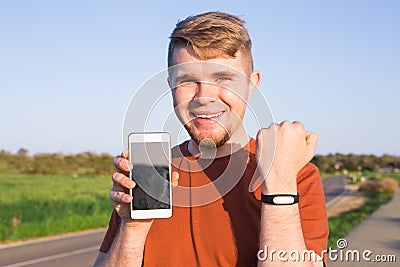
(230, 147)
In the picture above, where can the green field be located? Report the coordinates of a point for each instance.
(40, 205)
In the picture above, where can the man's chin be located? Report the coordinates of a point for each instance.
(211, 143)
(209, 140)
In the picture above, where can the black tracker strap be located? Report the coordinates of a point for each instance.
(280, 199)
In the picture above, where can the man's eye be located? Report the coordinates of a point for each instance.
(222, 79)
(187, 82)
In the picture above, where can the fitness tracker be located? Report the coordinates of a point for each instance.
(280, 199)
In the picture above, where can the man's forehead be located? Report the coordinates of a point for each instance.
(184, 60)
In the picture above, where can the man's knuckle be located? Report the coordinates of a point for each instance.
(115, 176)
(272, 126)
(120, 163)
(298, 124)
(285, 123)
(115, 161)
(119, 178)
(260, 133)
(123, 165)
(116, 195)
(112, 195)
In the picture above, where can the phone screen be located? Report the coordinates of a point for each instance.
(151, 165)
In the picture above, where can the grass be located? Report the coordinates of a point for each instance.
(341, 225)
(34, 205)
(42, 205)
(373, 175)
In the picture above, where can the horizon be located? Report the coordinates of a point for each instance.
(96, 153)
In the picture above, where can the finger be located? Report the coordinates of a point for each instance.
(311, 141)
(174, 178)
(120, 179)
(266, 133)
(125, 154)
(311, 138)
(117, 196)
(284, 123)
(298, 125)
(122, 164)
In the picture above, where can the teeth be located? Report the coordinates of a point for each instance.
(208, 116)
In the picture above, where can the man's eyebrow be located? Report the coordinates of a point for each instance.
(182, 78)
(191, 76)
(225, 73)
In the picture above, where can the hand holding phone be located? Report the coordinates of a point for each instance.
(119, 193)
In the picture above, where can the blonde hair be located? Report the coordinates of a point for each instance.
(210, 35)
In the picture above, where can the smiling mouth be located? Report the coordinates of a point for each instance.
(208, 116)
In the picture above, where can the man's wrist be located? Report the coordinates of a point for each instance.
(276, 186)
(280, 183)
(145, 223)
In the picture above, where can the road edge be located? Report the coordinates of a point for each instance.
(51, 238)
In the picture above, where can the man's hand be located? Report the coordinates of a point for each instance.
(282, 151)
(119, 193)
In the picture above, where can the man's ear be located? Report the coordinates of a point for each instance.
(169, 82)
(255, 79)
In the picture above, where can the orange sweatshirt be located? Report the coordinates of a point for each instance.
(225, 231)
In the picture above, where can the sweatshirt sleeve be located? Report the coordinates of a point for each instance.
(112, 230)
(314, 220)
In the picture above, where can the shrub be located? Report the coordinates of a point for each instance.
(388, 185)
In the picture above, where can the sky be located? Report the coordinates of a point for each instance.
(69, 69)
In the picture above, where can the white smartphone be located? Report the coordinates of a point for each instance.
(150, 154)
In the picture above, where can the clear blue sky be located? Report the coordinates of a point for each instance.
(68, 69)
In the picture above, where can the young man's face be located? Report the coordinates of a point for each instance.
(210, 96)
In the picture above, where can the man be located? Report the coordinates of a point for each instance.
(211, 78)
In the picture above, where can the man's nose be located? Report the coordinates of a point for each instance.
(206, 92)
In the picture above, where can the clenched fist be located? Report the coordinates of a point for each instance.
(282, 150)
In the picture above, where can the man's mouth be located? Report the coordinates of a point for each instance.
(206, 118)
(209, 116)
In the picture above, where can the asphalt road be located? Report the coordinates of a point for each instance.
(378, 235)
(66, 250)
(80, 249)
(333, 187)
